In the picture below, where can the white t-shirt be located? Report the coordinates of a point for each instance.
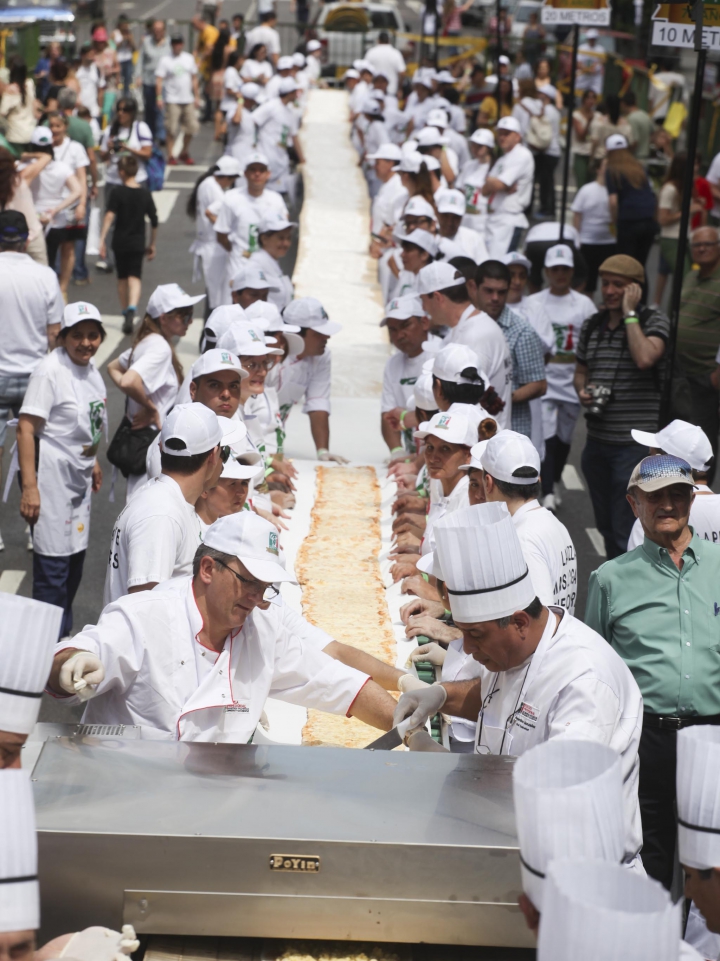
(704, 519)
(49, 188)
(276, 126)
(207, 194)
(399, 378)
(155, 538)
(177, 73)
(592, 202)
(471, 244)
(73, 154)
(515, 168)
(309, 378)
(137, 136)
(550, 230)
(31, 301)
(91, 83)
(670, 199)
(265, 35)
(284, 291)
(384, 202)
(240, 136)
(152, 359)
(256, 71)
(567, 315)
(480, 332)
(550, 554)
(240, 215)
(470, 180)
(388, 61)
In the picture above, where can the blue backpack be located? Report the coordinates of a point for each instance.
(155, 168)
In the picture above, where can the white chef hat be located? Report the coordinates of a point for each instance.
(19, 891)
(596, 911)
(698, 796)
(30, 630)
(568, 803)
(485, 571)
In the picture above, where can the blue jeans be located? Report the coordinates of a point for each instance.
(126, 75)
(607, 469)
(56, 580)
(12, 392)
(80, 271)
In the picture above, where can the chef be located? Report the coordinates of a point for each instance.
(64, 410)
(545, 674)
(197, 660)
(511, 475)
(27, 644)
(19, 889)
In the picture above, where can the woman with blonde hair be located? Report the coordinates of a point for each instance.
(631, 198)
(149, 373)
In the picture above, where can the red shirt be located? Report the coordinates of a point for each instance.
(702, 193)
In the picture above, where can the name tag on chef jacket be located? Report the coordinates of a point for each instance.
(237, 709)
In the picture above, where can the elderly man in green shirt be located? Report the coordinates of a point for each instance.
(659, 608)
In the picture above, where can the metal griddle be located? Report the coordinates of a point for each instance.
(230, 840)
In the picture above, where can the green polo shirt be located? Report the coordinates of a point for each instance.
(664, 623)
(698, 333)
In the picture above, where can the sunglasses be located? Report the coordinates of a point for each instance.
(126, 109)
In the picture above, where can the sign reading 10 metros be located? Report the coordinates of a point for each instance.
(586, 13)
(673, 25)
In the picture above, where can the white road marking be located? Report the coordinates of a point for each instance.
(10, 581)
(596, 539)
(113, 328)
(571, 479)
(164, 203)
(179, 186)
(153, 11)
(185, 168)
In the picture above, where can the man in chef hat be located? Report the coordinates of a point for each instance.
(545, 674)
(27, 643)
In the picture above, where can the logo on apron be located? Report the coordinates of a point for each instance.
(97, 418)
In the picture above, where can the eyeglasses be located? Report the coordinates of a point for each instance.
(268, 591)
(252, 365)
(703, 244)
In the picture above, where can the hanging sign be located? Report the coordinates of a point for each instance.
(586, 13)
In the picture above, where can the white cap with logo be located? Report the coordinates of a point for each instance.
(285, 63)
(423, 397)
(508, 452)
(274, 221)
(256, 157)
(568, 798)
(251, 276)
(680, 439)
(288, 85)
(227, 166)
(19, 890)
(271, 320)
(480, 555)
(222, 319)
(698, 796)
(452, 362)
(309, 312)
(452, 428)
(559, 256)
(214, 360)
(30, 631)
(168, 297)
(421, 238)
(76, 313)
(195, 426)
(438, 118)
(403, 308)
(451, 202)
(41, 137)
(430, 137)
(417, 206)
(248, 340)
(438, 276)
(386, 151)
(483, 137)
(508, 123)
(515, 257)
(255, 543)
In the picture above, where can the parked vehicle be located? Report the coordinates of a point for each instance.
(347, 30)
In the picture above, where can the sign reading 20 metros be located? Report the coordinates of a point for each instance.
(586, 13)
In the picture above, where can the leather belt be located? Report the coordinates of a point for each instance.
(660, 722)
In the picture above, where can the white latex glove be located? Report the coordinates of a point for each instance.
(428, 652)
(81, 673)
(422, 741)
(409, 682)
(420, 705)
(264, 722)
(327, 455)
(101, 944)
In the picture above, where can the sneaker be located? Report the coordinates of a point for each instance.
(28, 534)
(173, 162)
(549, 502)
(2, 543)
(129, 319)
(558, 498)
(81, 282)
(186, 158)
(103, 266)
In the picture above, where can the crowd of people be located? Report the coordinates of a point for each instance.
(505, 325)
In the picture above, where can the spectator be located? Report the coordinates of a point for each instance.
(590, 64)
(654, 607)
(59, 79)
(107, 62)
(694, 396)
(669, 214)
(91, 80)
(74, 229)
(277, 128)
(387, 60)
(620, 355)
(533, 39)
(177, 74)
(582, 137)
(238, 31)
(17, 106)
(632, 201)
(546, 160)
(523, 70)
(640, 123)
(488, 110)
(608, 122)
(32, 311)
(266, 34)
(219, 59)
(42, 73)
(154, 47)
(15, 194)
(125, 47)
(257, 68)
(592, 220)
(127, 207)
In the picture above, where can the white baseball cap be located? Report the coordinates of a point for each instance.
(233, 469)
(312, 45)
(680, 439)
(476, 453)
(351, 74)
(438, 276)
(271, 320)
(287, 85)
(234, 434)
(372, 106)
(169, 297)
(422, 395)
(506, 453)
(403, 308)
(504, 60)
(41, 137)
(256, 157)
(430, 137)
(251, 276)
(616, 141)
(364, 65)
(592, 34)
(255, 543)
(559, 256)
(451, 202)
(508, 123)
(437, 118)
(423, 239)
(417, 206)
(483, 137)
(227, 166)
(195, 425)
(274, 221)
(422, 78)
(309, 312)
(75, 313)
(452, 361)
(412, 161)
(248, 340)
(222, 318)
(214, 360)
(548, 90)
(386, 151)
(250, 91)
(298, 59)
(444, 76)
(285, 63)
(451, 427)
(515, 257)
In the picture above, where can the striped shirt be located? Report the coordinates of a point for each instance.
(528, 363)
(636, 394)
(698, 336)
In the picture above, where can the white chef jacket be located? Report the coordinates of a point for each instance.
(459, 666)
(704, 519)
(550, 555)
(309, 378)
(285, 289)
(159, 676)
(154, 538)
(480, 332)
(31, 301)
(576, 686)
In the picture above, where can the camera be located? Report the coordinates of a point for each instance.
(117, 145)
(600, 398)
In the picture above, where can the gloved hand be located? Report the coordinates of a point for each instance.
(101, 944)
(420, 705)
(264, 722)
(421, 741)
(409, 682)
(428, 652)
(323, 454)
(81, 673)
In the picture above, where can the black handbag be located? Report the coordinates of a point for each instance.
(128, 448)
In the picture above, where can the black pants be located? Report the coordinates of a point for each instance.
(556, 455)
(658, 758)
(594, 255)
(545, 177)
(694, 399)
(635, 238)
